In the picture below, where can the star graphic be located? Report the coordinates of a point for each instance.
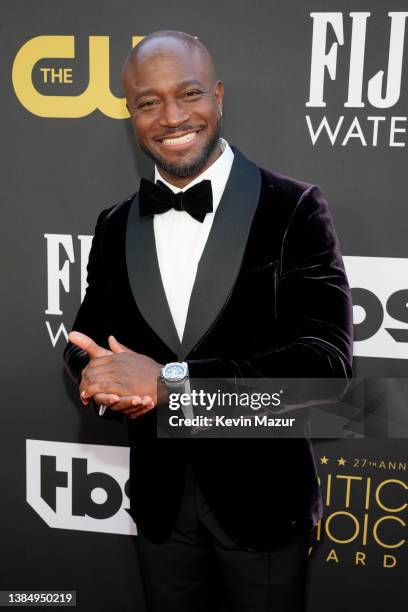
(324, 460)
(341, 461)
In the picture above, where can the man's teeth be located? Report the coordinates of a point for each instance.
(180, 140)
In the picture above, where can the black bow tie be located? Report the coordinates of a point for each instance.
(156, 198)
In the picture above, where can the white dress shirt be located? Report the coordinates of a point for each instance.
(180, 239)
(180, 242)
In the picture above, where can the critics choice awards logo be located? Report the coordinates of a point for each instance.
(365, 512)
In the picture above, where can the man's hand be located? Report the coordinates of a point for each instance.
(120, 378)
(94, 352)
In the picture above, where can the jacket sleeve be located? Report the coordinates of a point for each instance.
(92, 316)
(314, 308)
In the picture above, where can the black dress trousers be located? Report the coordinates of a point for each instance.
(199, 568)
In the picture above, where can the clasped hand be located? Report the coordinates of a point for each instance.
(120, 378)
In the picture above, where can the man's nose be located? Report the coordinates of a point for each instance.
(174, 114)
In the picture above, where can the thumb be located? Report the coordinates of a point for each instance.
(88, 345)
(117, 347)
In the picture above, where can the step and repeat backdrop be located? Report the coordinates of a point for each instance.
(314, 90)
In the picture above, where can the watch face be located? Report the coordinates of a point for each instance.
(174, 372)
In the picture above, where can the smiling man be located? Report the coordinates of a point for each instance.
(175, 106)
(216, 269)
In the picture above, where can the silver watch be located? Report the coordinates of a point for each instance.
(174, 374)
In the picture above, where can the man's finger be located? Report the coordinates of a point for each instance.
(134, 403)
(84, 399)
(117, 347)
(101, 385)
(106, 399)
(136, 412)
(87, 344)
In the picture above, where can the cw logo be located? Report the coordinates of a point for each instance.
(97, 95)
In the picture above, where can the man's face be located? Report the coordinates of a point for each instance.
(175, 107)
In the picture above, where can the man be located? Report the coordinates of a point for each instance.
(240, 277)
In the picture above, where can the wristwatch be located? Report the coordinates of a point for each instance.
(174, 375)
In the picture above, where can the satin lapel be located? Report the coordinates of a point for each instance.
(145, 278)
(222, 256)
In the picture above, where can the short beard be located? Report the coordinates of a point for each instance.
(181, 169)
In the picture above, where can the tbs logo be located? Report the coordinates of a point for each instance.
(380, 305)
(79, 486)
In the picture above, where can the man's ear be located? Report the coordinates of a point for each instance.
(219, 94)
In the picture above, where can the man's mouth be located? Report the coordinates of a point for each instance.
(180, 139)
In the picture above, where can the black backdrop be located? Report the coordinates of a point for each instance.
(64, 160)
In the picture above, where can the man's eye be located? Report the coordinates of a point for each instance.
(147, 103)
(192, 93)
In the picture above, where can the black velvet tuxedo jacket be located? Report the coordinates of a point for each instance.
(270, 299)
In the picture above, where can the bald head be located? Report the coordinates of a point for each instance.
(163, 42)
